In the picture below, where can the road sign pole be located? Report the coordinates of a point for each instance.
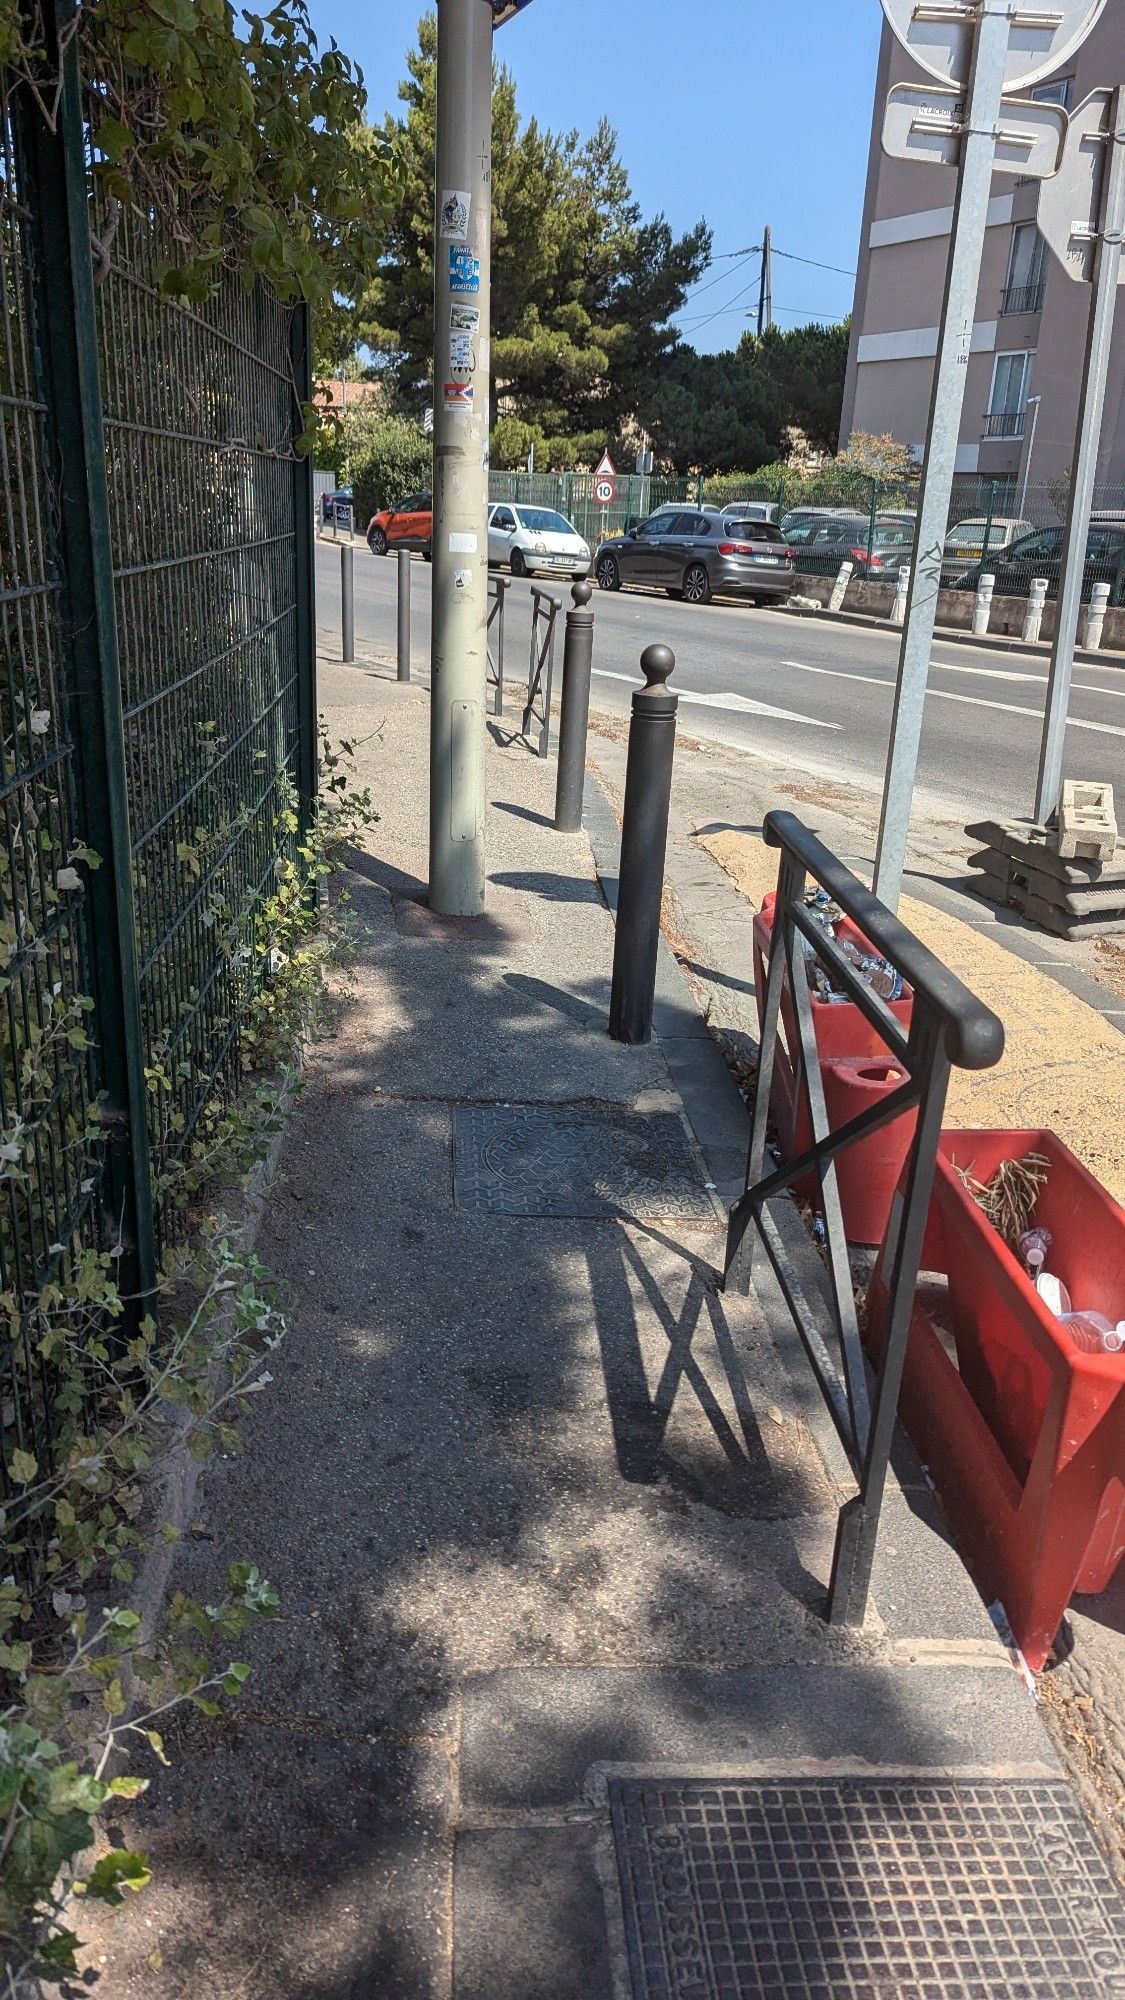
(1095, 375)
(970, 218)
(459, 675)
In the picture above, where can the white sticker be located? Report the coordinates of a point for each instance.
(455, 206)
(464, 319)
(460, 352)
(462, 545)
(462, 578)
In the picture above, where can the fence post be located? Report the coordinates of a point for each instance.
(840, 587)
(1036, 603)
(300, 357)
(403, 560)
(1095, 616)
(902, 595)
(347, 604)
(644, 841)
(578, 653)
(57, 195)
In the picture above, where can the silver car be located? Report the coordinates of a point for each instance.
(697, 556)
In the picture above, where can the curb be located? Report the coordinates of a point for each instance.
(1000, 642)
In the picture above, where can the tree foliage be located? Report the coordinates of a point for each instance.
(383, 457)
(583, 288)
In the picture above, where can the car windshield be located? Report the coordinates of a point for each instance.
(545, 521)
(970, 534)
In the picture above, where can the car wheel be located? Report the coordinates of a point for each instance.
(377, 542)
(518, 565)
(607, 573)
(697, 584)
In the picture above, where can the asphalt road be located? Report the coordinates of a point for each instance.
(812, 694)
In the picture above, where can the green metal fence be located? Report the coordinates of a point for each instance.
(158, 714)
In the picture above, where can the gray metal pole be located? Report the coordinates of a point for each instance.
(578, 655)
(347, 602)
(403, 614)
(644, 840)
(459, 677)
(970, 217)
(1095, 375)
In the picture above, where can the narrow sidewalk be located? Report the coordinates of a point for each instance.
(539, 1500)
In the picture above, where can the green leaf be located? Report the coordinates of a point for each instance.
(17, 1657)
(113, 1698)
(156, 1744)
(122, 1869)
(23, 1467)
(127, 1788)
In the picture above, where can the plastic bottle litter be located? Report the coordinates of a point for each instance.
(1033, 1247)
(1053, 1293)
(1093, 1333)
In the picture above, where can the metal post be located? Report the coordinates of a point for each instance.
(902, 592)
(982, 609)
(1095, 616)
(461, 388)
(1036, 605)
(347, 604)
(840, 587)
(970, 216)
(989, 518)
(403, 614)
(300, 357)
(1095, 375)
(1034, 404)
(56, 193)
(644, 840)
(578, 654)
(874, 509)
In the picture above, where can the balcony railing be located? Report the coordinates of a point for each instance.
(1024, 298)
(1004, 424)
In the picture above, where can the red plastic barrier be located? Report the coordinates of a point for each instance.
(1024, 1435)
(857, 1069)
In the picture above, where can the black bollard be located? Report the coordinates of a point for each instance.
(404, 614)
(347, 605)
(644, 839)
(578, 653)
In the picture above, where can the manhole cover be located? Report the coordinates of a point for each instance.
(904, 1889)
(526, 1159)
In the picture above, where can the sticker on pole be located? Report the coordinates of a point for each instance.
(1070, 206)
(605, 481)
(925, 122)
(464, 272)
(454, 215)
(1041, 37)
(458, 396)
(464, 319)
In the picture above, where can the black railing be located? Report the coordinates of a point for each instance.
(541, 665)
(1024, 298)
(1004, 424)
(498, 588)
(948, 1028)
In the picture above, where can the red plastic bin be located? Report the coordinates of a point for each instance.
(1024, 1434)
(856, 1068)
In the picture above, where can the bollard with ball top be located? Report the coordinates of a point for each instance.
(578, 653)
(644, 839)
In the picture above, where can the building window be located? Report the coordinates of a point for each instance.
(1023, 292)
(1058, 92)
(1007, 409)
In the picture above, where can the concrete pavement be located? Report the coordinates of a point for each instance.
(538, 1499)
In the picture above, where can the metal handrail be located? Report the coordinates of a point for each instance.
(948, 1027)
(498, 587)
(541, 665)
(1004, 424)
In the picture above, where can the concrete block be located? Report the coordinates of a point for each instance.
(1087, 823)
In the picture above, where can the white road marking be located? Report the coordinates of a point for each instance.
(970, 700)
(740, 703)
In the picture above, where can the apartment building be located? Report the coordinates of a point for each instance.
(1021, 403)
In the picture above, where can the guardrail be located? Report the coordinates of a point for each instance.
(541, 665)
(948, 1028)
(498, 588)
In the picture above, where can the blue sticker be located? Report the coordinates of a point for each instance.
(464, 271)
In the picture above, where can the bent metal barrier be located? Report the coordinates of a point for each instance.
(541, 666)
(948, 1028)
(498, 588)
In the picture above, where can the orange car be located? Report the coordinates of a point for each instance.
(410, 525)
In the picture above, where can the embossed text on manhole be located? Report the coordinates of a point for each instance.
(864, 1889)
(536, 1159)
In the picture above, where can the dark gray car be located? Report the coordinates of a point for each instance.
(698, 556)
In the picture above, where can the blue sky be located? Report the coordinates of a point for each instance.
(742, 111)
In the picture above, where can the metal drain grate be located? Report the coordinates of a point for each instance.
(532, 1159)
(855, 1889)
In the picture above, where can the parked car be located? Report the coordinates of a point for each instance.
(804, 517)
(407, 525)
(891, 550)
(826, 541)
(1041, 554)
(750, 510)
(964, 544)
(669, 509)
(343, 497)
(696, 556)
(535, 540)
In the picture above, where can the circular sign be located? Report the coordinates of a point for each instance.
(605, 492)
(1041, 38)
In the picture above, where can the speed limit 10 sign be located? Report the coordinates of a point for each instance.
(1041, 37)
(605, 492)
